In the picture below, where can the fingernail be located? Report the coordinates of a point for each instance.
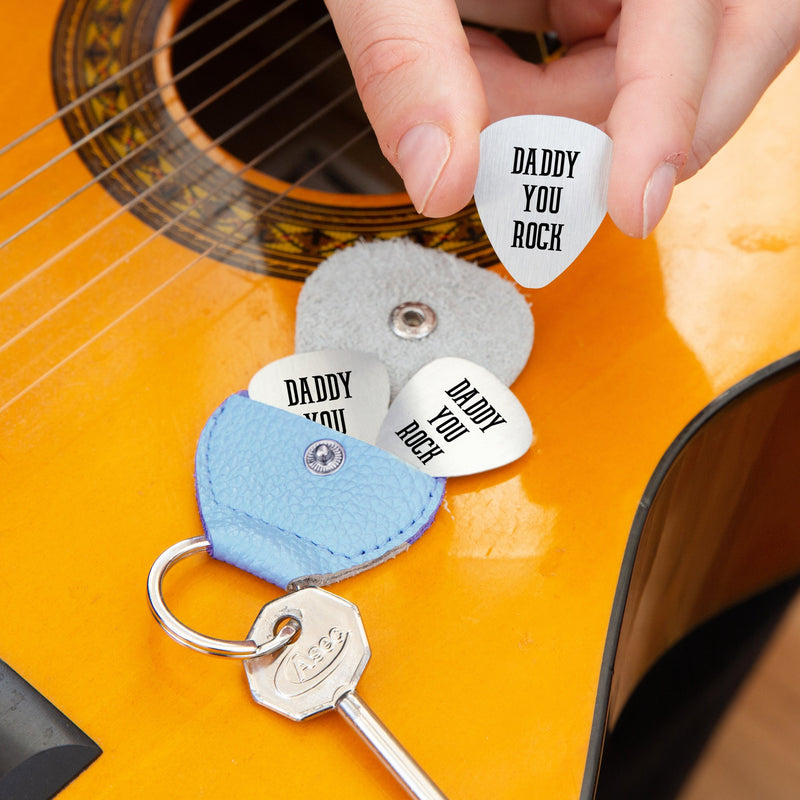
(657, 194)
(421, 155)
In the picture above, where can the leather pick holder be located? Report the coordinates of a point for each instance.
(295, 503)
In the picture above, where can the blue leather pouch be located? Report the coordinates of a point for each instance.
(264, 511)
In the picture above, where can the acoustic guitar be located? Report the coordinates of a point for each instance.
(170, 174)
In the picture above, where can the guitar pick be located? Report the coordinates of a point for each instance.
(341, 389)
(455, 418)
(541, 192)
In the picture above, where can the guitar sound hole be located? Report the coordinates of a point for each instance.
(360, 169)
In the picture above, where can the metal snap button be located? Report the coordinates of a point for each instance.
(412, 320)
(324, 457)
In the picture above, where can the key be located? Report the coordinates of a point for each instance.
(318, 671)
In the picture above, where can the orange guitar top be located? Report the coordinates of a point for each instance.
(488, 634)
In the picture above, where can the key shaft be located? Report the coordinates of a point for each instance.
(383, 743)
(318, 671)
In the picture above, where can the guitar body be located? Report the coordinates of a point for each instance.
(126, 322)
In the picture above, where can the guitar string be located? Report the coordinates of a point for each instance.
(221, 139)
(207, 252)
(151, 141)
(169, 281)
(176, 173)
(138, 103)
(229, 181)
(128, 68)
(194, 206)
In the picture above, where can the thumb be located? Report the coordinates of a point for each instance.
(421, 92)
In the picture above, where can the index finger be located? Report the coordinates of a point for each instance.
(663, 58)
(421, 91)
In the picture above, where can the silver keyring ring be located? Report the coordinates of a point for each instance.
(188, 637)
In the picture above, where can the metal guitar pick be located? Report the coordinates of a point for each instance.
(541, 192)
(343, 390)
(455, 418)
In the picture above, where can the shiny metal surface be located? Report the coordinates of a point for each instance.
(324, 457)
(318, 671)
(396, 758)
(344, 390)
(191, 638)
(538, 230)
(312, 673)
(454, 418)
(412, 320)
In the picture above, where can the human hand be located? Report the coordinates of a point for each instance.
(669, 82)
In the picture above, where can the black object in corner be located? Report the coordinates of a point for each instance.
(41, 750)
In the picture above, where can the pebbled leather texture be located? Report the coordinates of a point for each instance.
(265, 512)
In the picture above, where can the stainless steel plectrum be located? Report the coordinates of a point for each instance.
(341, 389)
(455, 418)
(541, 192)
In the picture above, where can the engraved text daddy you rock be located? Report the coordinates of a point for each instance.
(541, 192)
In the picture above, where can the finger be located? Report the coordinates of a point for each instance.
(663, 60)
(421, 92)
(581, 85)
(735, 84)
